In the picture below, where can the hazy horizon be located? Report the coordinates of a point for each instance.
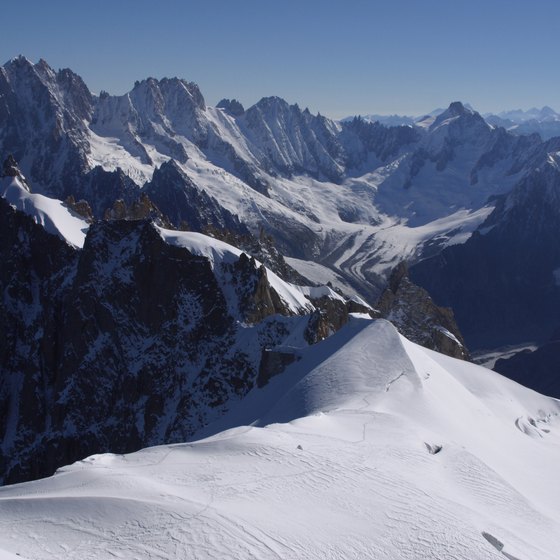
(406, 58)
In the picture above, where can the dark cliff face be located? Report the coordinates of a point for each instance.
(127, 343)
(502, 283)
(185, 205)
(361, 138)
(142, 321)
(36, 268)
(538, 369)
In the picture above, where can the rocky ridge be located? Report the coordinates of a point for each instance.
(133, 340)
(411, 309)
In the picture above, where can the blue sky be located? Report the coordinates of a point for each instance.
(336, 57)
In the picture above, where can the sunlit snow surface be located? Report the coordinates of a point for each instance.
(51, 213)
(339, 463)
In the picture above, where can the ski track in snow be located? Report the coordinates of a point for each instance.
(339, 468)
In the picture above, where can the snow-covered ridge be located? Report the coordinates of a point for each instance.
(368, 446)
(218, 252)
(52, 214)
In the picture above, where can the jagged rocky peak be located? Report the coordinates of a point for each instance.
(140, 209)
(18, 62)
(154, 112)
(458, 111)
(411, 309)
(64, 88)
(268, 108)
(231, 106)
(169, 91)
(295, 141)
(45, 119)
(76, 92)
(457, 108)
(185, 205)
(275, 106)
(273, 102)
(10, 167)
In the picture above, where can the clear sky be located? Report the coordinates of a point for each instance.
(337, 57)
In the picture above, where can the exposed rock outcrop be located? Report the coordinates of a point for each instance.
(141, 209)
(331, 313)
(129, 342)
(411, 309)
(81, 207)
(257, 299)
(10, 168)
(185, 205)
(231, 106)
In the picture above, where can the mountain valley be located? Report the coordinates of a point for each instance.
(247, 332)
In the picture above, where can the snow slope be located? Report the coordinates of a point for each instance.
(367, 447)
(52, 214)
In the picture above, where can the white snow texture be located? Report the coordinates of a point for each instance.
(369, 446)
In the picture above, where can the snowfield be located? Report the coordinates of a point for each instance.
(368, 446)
(51, 213)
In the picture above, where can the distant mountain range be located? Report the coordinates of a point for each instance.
(105, 300)
(544, 121)
(354, 197)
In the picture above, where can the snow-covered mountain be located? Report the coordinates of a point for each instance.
(367, 446)
(518, 115)
(146, 300)
(469, 205)
(397, 120)
(356, 196)
(544, 121)
(169, 328)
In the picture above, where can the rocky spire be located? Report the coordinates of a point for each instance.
(10, 168)
(411, 309)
